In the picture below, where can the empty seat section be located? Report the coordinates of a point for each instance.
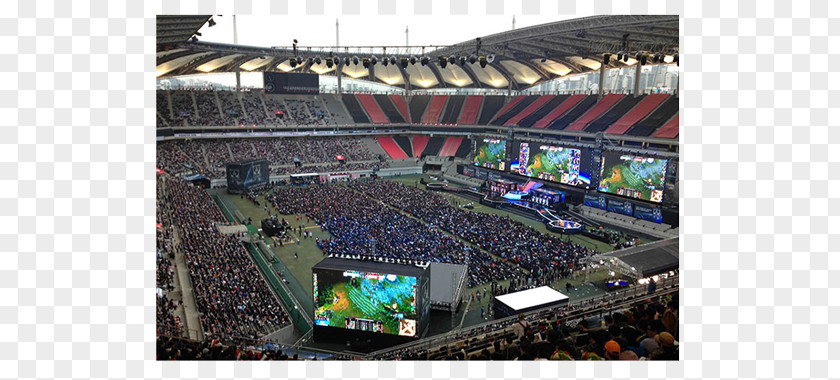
(404, 143)
(453, 109)
(418, 144)
(617, 111)
(434, 146)
(543, 110)
(418, 105)
(388, 108)
(508, 112)
(639, 112)
(391, 147)
(450, 146)
(492, 104)
(507, 107)
(399, 102)
(372, 109)
(578, 109)
(606, 102)
(530, 109)
(670, 130)
(464, 149)
(471, 108)
(657, 118)
(432, 115)
(355, 109)
(558, 111)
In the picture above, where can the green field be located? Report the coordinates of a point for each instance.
(299, 270)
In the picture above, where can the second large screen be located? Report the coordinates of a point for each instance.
(380, 303)
(632, 176)
(491, 154)
(550, 163)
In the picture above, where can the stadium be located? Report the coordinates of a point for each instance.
(510, 197)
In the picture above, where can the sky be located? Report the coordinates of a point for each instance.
(437, 30)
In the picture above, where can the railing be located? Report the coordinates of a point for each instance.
(580, 309)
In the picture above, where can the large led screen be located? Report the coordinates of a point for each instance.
(632, 176)
(491, 154)
(367, 301)
(550, 163)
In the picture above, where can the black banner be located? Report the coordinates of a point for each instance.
(290, 83)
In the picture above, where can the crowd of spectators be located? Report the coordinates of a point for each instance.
(279, 151)
(208, 109)
(242, 149)
(254, 111)
(302, 114)
(363, 226)
(209, 156)
(216, 151)
(546, 257)
(231, 295)
(331, 168)
(645, 331)
(274, 103)
(167, 321)
(174, 348)
(182, 107)
(231, 108)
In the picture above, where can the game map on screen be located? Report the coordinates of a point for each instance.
(550, 163)
(634, 177)
(491, 154)
(380, 303)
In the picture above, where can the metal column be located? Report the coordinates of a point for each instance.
(601, 81)
(638, 78)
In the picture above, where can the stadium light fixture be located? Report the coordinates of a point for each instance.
(677, 59)
(355, 60)
(644, 59)
(412, 60)
(491, 58)
(293, 62)
(452, 60)
(482, 61)
(472, 59)
(385, 61)
(346, 61)
(366, 62)
(607, 58)
(318, 60)
(404, 62)
(463, 60)
(424, 61)
(310, 60)
(393, 60)
(373, 60)
(442, 62)
(329, 62)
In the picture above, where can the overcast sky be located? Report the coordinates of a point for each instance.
(438, 29)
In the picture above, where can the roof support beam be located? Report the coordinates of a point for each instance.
(190, 67)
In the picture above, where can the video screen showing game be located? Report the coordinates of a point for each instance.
(550, 163)
(634, 177)
(491, 154)
(375, 302)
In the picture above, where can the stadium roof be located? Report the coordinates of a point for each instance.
(521, 57)
(178, 29)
